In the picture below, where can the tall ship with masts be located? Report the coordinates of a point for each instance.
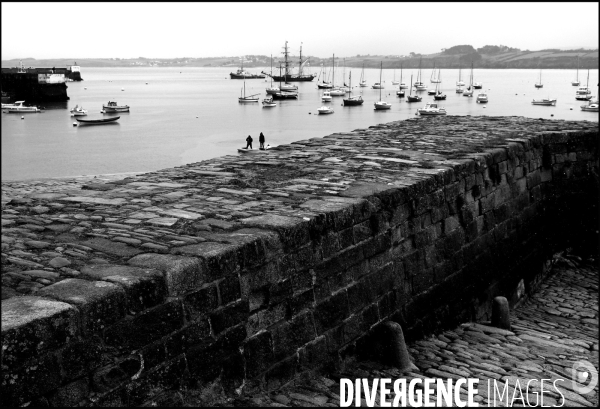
(288, 76)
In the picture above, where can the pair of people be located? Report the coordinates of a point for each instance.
(261, 140)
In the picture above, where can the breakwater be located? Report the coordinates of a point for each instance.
(251, 269)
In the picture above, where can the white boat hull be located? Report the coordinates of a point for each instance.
(115, 109)
(547, 102)
(381, 105)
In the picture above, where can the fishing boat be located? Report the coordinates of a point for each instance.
(112, 106)
(268, 102)
(576, 82)
(411, 97)
(584, 93)
(544, 101)
(591, 107)
(539, 84)
(431, 108)
(363, 83)
(325, 110)
(78, 111)
(482, 98)
(381, 105)
(287, 74)
(352, 101)
(240, 74)
(18, 108)
(97, 121)
(469, 91)
(326, 96)
(272, 89)
(247, 98)
(419, 85)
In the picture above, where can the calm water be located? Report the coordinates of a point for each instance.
(185, 115)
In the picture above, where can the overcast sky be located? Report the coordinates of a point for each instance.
(169, 30)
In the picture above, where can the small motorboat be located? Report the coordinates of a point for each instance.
(114, 107)
(403, 86)
(326, 97)
(337, 92)
(468, 92)
(18, 107)
(459, 90)
(78, 111)
(382, 105)
(268, 102)
(590, 107)
(431, 92)
(285, 95)
(544, 101)
(431, 108)
(477, 85)
(97, 121)
(400, 93)
(288, 87)
(482, 98)
(325, 110)
(377, 85)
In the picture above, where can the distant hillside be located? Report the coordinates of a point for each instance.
(454, 57)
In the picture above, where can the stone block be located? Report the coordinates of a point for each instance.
(281, 373)
(199, 302)
(190, 335)
(293, 231)
(220, 258)
(229, 289)
(331, 312)
(258, 353)
(71, 394)
(79, 358)
(32, 325)
(145, 288)
(100, 303)
(314, 354)
(182, 274)
(290, 335)
(229, 315)
(169, 375)
(147, 327)
(111, 247)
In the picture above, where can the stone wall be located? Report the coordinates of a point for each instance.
(421, 221)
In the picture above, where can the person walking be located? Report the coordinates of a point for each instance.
(249, 142)
(261, 139)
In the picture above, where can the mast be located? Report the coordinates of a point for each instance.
(286, 62)
(333, 69)
(400, 72)
(300, 63)
(350, 81)
(271, 70)
(410, 86)
(380, 69)
(578, 67)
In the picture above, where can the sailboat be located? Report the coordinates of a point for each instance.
(433, 78)
(344, 86)
(476, 85)
(247, 98)
(325, 84)
(539, 84)
(460, 82)
(402, 84)
(576, 82)
(584, 93)
(394, 82)
(411, 97)
(380, 105)
(419, 85)
(272, 89)
(282, 94)
(469, 91)
(287, 75)
(378, 85)
(439, 95)
(336, 91)
(352, 101)
(363, 82)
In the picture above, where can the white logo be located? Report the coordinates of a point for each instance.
(580, 376)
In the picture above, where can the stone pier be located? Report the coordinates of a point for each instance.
(249, 270)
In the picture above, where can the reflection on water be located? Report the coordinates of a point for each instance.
(184, 115)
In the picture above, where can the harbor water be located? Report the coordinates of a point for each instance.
(182, 115)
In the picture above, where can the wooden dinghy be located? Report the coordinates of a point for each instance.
(97, 121)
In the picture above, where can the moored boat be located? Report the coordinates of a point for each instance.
(288, 76)
(576, 82)
(18, 107)
(325, 110)
(539, 83)
(381, 105)
(78, 111)
(482, 98)
(431, 108)
(240, 74)
(326, 96)
(411, 97)
(544, 101)
(591, 107)
(419, 85)
(97, 121)
(268, 102)
(247, 98)
(363, 83)
(352, 100)
(114, 107)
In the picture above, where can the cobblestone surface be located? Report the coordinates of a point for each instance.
(552, 330)
(52, 228)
